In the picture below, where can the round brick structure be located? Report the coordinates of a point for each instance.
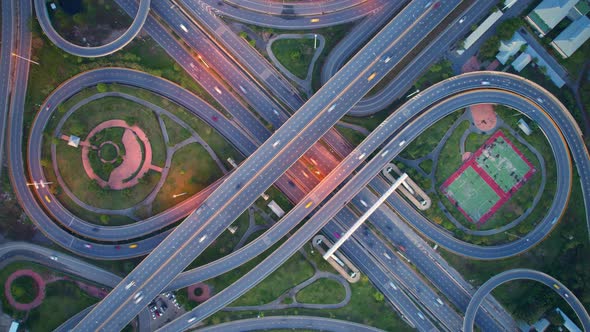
(205, 292)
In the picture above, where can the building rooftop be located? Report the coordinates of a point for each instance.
(510, 48)
(574, 36)
(481, 29)
(522, 61)
(552, 74)
(549, 13)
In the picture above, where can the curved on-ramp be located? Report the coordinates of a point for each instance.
(91, 52)
(524, 274)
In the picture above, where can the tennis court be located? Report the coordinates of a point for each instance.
(471, 194)
(503, 163)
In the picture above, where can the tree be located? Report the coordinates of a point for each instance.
(104, 219)
(101, 87)
(378, 296)
(555, 318)
(507, 28)
(489, 49)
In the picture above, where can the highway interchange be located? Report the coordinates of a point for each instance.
(323, 100)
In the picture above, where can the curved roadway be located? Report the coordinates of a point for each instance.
(470, 82)
(524, 274)
(91, 52)
(289, 322)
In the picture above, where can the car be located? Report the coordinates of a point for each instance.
(53, 258)
(310, 203)
(192, 319)
(118, 247)
(202, 238)
(133, 246)
(130, 284)
(153, 315)
(566, 295)
(436, 5)
(462, 19)
(183, 28)
(421, 316)
(371, 77)
(402, 248)
(392, 285)
(214, 118)
(314, 20)
(402, 143)
(337, 235)
(485, 83)
(361, 156)
(364, 203)
(137, 297)
(47, 199)
(440, 302)
(217, 89)
(556, 286)
(87, 245)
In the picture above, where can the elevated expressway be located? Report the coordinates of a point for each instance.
(6, 63)
(299, 17)
(524, 274)
(126, 232)
(257, 173)
(444, 98)
(91, 52)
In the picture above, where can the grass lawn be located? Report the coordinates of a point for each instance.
(294, 54)
(92, 114)
(62, 300)
(191, 171)
(322, 291)
(95, 23)
(69, 161)
(24, 289)
(293, 272)
(176, 133)
(363, 308)
(449, 155)
(429, 139)
(351, 135)
(563, 254)
(217, 142)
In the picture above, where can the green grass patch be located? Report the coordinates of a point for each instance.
(63, 300)
(69, 161)
(430, 138)
(562, 254)
(450, 155)
(351, 135)
(426, 165)
(96, 23)
(191, 171)
(322, 291)
(176, 133)
(82, 121)
(294, 54)
(293, 272)
(24, 289)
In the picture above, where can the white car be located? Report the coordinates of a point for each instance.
(53, 258)
(129, 285)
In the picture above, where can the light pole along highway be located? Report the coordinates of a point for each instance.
(256, 174)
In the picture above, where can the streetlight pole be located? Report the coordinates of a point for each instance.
(29, 60)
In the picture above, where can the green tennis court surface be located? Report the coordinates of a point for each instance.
(472, 194)
(503, 163)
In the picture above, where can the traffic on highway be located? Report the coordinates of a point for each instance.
(288, 142)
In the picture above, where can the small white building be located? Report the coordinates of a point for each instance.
(276, 209)
(548, 14)
(510, 48)
(74, 141)
(13, 326)
(519, 63)
(524, 127)
(481, 29)
(53, 6)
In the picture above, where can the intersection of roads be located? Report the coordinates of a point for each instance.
(278, 156)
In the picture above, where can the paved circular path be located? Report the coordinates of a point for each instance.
(40, 290)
